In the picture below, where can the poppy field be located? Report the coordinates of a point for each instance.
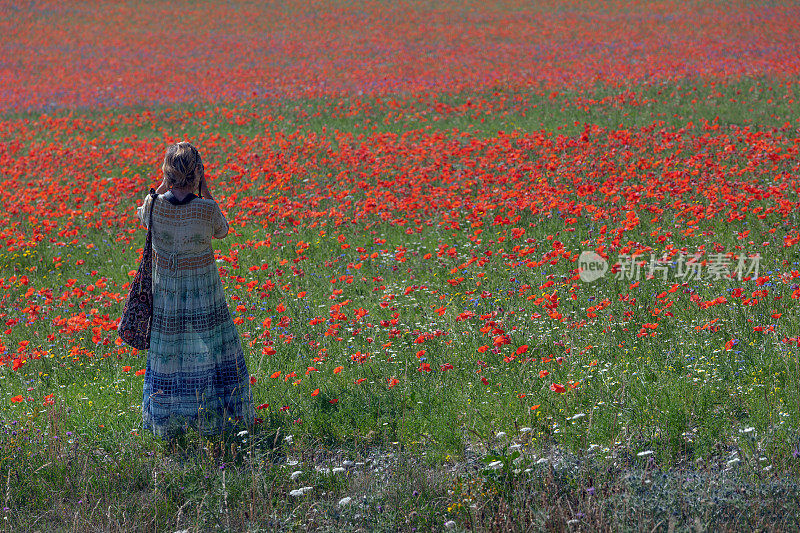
(492, 266)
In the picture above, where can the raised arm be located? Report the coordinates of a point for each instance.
(204, 192)
(163, 187)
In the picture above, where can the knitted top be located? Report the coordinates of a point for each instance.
(183, 227)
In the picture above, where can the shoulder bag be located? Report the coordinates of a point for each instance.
(134, 325)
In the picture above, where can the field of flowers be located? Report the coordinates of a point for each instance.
(416, 194)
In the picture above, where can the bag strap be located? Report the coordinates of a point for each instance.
(153, 197)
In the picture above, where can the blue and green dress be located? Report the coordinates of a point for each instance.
(196, 375)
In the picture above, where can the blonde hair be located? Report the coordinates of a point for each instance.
(180, 163)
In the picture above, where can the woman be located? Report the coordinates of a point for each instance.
(196, 374)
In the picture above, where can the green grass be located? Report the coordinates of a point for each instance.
(680, 398)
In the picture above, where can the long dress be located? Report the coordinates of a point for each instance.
(196, 375)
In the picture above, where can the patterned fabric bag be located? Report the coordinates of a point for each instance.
(134, 326)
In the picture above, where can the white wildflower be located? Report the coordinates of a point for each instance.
(300, 492)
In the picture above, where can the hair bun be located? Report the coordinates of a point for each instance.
(180, 163)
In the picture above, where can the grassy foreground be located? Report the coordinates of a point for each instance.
(424, 354)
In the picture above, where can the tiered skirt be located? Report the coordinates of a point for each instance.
(196, 374)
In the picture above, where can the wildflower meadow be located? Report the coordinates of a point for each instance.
(501, 266)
